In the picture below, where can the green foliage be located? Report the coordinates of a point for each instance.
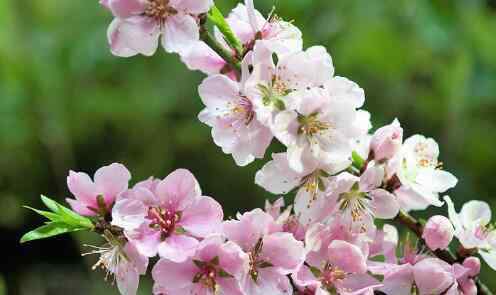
(62, 220)
(216, 17)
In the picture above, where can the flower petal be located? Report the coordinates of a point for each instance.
(111, 181)
(384, 204)
(177, 248)
(277, 243)
(192, 6)
(203, 217)
(181, 32)
(347, 257)
(178, 190)
(126, 8)
(475, 211)
(134, 34)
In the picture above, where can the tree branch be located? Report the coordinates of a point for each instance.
(415, 226)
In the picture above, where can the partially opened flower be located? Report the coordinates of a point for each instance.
(94, 198)
(262, 238)
(168, 217)
(421, 174)
(386, 141)
(473, 228)
(433, 276)
(140, 25)
(216, 267)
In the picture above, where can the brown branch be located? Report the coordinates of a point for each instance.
(415, 226)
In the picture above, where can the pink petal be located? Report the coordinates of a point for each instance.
(145, 239)
(178, 190)
(192, 6)
(140, 262)
(82, 187)
(133, 35)
(347, 257)
(181, 32)
(127, 278)
(371, 178)
(217, 91)
(432, 276)
(128, 214)
(358, 284)
(111, 181)
(250, 227)
(384, 204)
(174, 275)
(126, 8)
(80, 208)
(203, 217)
(277, 243)
(177, 248)
(398, 280)
(201, 57)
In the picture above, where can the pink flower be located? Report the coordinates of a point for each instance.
(358, 200)
(335, 267)
(235, 125)
(139, 24)
(438, 232)
(167, 217)
(420, 174)
(203, 58)
(93, 198)
(215, 268)
(257, 233)
(386, 141)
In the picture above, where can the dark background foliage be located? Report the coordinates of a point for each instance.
(67, 103)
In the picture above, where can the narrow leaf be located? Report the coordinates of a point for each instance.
(358, 161)
(216, 17)
(49, 230)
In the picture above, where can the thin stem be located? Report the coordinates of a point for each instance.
(415, 226)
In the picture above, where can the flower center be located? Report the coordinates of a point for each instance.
(310, 125)
(243, 109)
(159, 10)
(163, 221)
(207, 274)
(328, 276)
(255, 261)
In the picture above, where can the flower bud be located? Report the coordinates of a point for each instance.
(473, 264)
(387, 141)
(438, 232)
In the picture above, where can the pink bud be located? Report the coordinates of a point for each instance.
(438, 232)
(473, 264)
(387, 141)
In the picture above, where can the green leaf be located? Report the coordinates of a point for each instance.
(67, 215)
(315, 271)
(49, 230)
(358, 161)
(216, 17)
(49, 215)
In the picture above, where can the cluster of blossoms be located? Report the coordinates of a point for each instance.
(263, 85)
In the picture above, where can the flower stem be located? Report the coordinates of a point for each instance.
(416, 226)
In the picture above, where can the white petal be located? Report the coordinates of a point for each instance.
(384, 204)
(436, 180)
(475, 212)
(181, 32)
(276, 176)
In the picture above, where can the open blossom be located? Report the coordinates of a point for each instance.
(358, 200)
(386, 141)
(216, 267)
(93, 198)
(270, 82)
(334, 266)
(123, 262)
(316, 127)
(438, 232)
(235, 125)
(140, 25)
(168, 216)
(420, 173)
(257, 233)
(473, 228)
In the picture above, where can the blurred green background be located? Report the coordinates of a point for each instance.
(67, 103)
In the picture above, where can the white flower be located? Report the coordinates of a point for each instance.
(473, 228)
(420, 174)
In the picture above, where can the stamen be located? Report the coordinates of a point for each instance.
(159, 10)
